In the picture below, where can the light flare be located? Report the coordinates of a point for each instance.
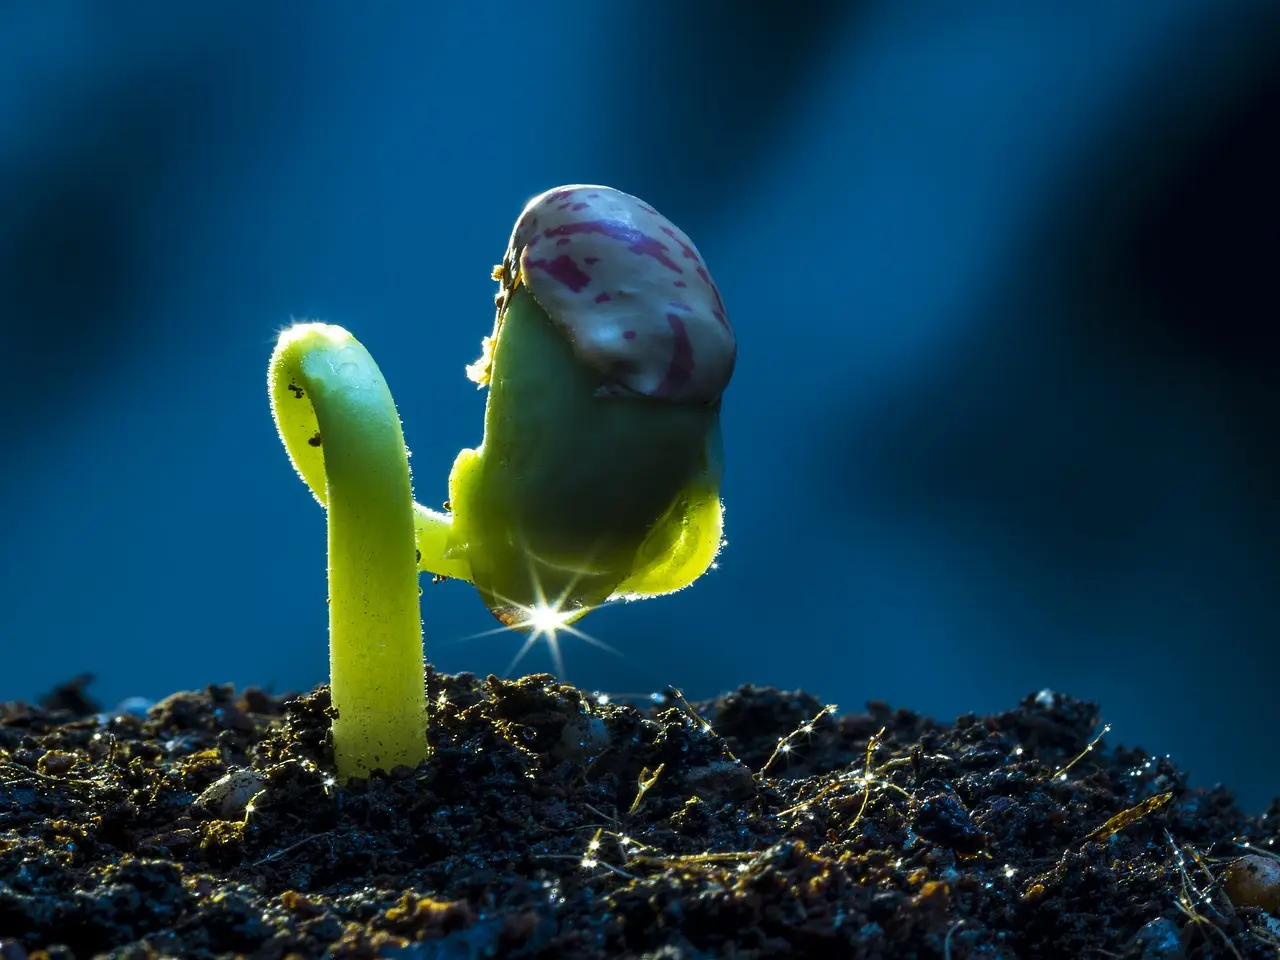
(544, 620)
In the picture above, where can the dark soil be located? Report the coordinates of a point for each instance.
(552, 824)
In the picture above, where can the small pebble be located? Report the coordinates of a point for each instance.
(1254, 881)
(229, 796)
(1158, 940)
(721, 780)
(55, 763)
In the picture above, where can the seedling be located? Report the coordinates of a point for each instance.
(597, 478)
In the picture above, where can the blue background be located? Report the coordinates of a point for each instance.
(1005, 414)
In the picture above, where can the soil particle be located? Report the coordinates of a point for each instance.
(553, 823)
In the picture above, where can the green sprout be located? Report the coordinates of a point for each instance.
(597, 479)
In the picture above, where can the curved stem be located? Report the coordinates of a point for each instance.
(338, 422)
(437, 553)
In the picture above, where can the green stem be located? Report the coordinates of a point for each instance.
(339, 424)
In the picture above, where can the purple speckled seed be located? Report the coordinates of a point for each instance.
(629, 290)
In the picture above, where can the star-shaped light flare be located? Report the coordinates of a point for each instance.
(546, 619)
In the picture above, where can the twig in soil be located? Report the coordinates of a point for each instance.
(700, 721)
(1188, 905)
(25, 773)
(1258, 850)
(293, 846)
(647, 779)
(696, 859)
(600, 813)
(1126, 817)
(623, 840)
(1061, 772)
(1200, 920)
(784, 743)
(946, 944)
(590, 860)
(589, 864)
(867, 779)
